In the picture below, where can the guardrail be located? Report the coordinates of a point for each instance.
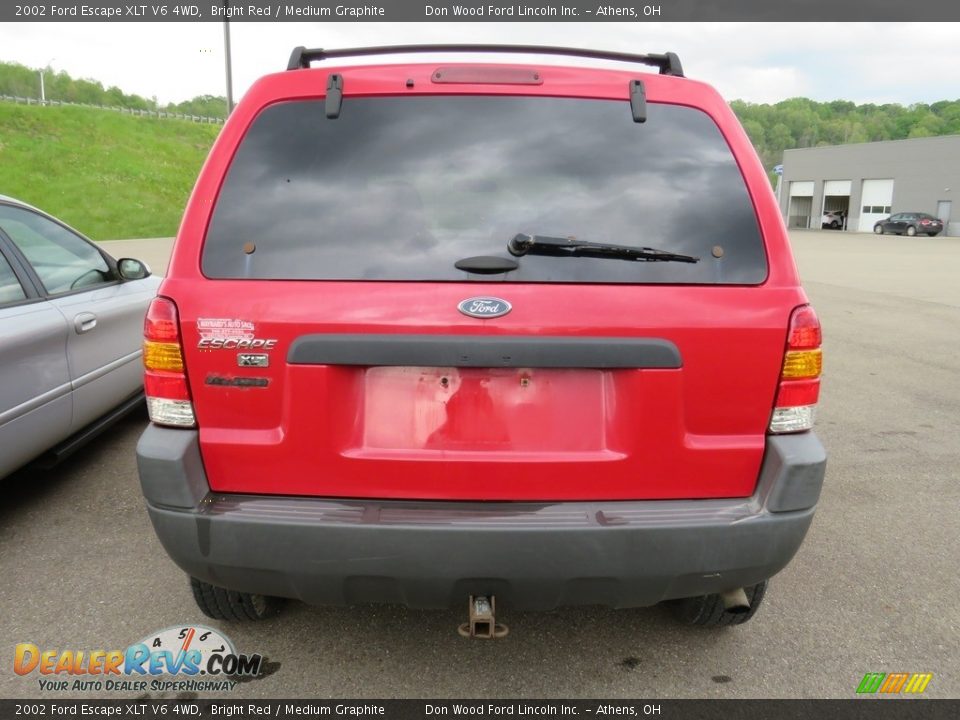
(128, 111)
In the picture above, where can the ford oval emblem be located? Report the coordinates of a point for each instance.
(484, 307)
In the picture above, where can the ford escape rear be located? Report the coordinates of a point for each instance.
(442, 330)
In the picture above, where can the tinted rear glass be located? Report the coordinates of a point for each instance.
(400, 188)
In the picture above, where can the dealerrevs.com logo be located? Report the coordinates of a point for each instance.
(191, 658)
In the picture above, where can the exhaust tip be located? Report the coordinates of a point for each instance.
(735, 602)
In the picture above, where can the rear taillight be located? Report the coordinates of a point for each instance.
(799, 387)
(165, 382)
(924, 222)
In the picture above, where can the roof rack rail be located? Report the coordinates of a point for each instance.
(668, 63)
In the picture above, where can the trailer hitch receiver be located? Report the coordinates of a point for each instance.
(482, 621)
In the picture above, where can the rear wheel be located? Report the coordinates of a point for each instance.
(222, 604)
(878, 229)
(834, 225)
(911, 231)
(708, 610)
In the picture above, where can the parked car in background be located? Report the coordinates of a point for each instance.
(419, 347)
(833, 219)
(909, 223)
(71, 321)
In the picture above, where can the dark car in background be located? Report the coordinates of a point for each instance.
(909, 223)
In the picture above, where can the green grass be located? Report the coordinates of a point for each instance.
(109, 175)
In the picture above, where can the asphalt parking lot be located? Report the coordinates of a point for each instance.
(875, 588)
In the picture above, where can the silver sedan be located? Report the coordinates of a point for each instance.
(71, 328)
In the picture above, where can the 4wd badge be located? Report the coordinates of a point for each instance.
(484, 307)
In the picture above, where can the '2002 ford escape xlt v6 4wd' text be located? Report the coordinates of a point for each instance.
(491, 330)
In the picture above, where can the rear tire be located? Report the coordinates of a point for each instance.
(834, 225)
(878, 229)
(708, 611)
(222, 604)
(911, 231)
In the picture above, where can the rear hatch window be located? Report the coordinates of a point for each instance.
(400, 188)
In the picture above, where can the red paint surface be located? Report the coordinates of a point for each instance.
(694, 432)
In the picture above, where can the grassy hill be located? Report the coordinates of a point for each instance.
(108, 174)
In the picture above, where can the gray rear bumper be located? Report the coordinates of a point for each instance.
(435, 554)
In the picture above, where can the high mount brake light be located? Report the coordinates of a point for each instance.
(165, 382)
(799, 388)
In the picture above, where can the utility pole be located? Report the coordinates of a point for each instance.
(226, 52)
(43, 92)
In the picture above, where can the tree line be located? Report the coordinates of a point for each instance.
(773, 128)
(22, 81)
(800, 123)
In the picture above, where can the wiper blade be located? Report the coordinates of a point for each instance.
(522, 245)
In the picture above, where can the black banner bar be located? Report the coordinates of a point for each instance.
(873, 708)
(477, 11)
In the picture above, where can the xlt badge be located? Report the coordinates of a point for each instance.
(253, 360)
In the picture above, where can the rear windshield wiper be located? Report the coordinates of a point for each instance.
(565, 247)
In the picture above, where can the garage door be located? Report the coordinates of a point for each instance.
(875, 202)
(800, 205)
(836, 199)
(836, 188)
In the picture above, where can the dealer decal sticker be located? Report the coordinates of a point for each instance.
(210, 328)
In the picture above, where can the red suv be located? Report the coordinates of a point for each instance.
(509, 331)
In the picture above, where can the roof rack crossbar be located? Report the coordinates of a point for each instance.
(667, 63)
